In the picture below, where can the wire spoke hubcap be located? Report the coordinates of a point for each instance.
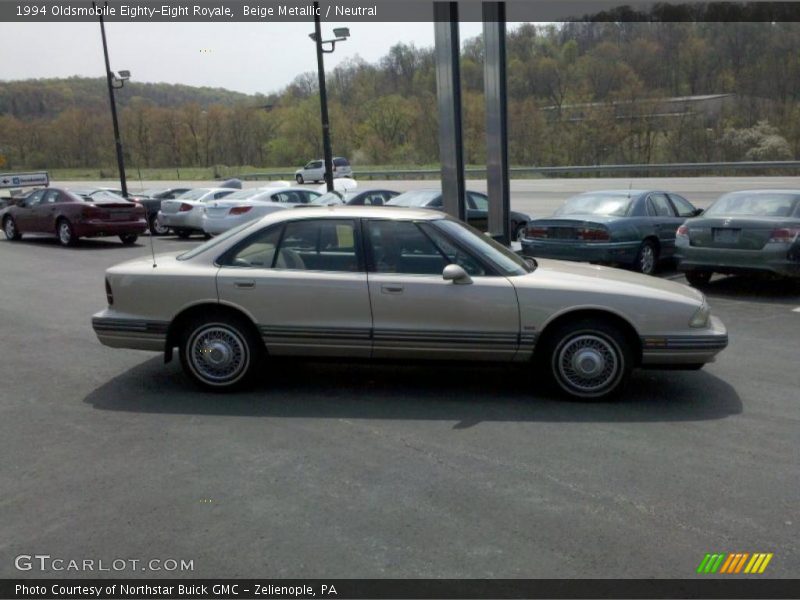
(64, 233)
(218, 354)
(10, 230)
(647, 260)
(588, 363)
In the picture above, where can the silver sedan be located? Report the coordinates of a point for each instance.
(246, 205)
(399, 284)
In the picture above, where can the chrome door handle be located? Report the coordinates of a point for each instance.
(392, 289)
(244, 284)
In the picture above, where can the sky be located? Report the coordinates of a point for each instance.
(245, 57)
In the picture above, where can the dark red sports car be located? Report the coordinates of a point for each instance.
(70, 216)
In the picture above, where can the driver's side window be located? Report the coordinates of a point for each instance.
(256, 252)
(34, 199)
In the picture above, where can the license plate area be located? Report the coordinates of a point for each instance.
(726, 236)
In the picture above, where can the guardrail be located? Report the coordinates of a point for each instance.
(640, 169)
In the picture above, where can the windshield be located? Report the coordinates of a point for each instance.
(482, 245)
(193, 194)
(418, 198)
(216, 240)
(329, 198)
(755, 205)
(154, 192)
(595, 204)
(244, 194)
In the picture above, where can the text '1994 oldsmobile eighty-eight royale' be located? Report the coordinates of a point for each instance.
(399, 283)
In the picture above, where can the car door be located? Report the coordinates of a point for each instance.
(24, 215)
(43, 214)
(478, 210)
(418, 314)
(665, 222)
(304, 284)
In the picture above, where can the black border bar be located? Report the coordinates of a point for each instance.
(124, 589)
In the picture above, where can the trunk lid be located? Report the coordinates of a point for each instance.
(735, 233)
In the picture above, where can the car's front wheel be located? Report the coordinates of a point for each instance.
(220, 353)
(66, 233)
(10, 229)
(299, 179)
(698, 278)
(156, 228)
(589, 360)
(128, 238)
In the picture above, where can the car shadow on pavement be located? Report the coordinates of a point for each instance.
(111, 243)
(467, 394)
(754, 289)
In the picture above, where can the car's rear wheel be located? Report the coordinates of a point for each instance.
(156, 228)
(646, 258)
(183, 233)
(589, 360)
(10, 229)
(128, 238)
(299, 179)
(698, 278)
(220, 353)
(66, 233)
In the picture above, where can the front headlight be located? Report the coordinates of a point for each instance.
(700, 318)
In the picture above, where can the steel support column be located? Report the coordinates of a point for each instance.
(494, 85)
(448, 91)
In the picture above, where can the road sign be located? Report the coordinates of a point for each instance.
(19, 180)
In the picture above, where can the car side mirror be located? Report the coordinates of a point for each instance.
(697, 212)
(456, 274)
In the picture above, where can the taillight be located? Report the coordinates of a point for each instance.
(240, 210)
(683, 231)
(593, 234)
(109, 293)
(784, 235)
(536, 232)
(185, 207)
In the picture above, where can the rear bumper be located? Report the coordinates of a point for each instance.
(136, 334)
(611, 252)
(217, 226)
(107, 228)
(675, 350)
(184, 220)
(783, 260)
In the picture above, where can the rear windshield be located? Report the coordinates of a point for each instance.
(755, 205)
(595, 204)
(244, 194)
(193, 194)
(419, 198)
(341, 162)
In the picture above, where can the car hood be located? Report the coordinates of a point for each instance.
(578, 277)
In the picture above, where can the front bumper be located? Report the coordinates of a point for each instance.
(117, 331)
(599, 252)
(182, 220)
(685, 349)
(781, 259)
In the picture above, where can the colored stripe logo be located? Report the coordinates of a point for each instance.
(734, 563)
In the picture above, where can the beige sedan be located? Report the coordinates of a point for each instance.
(399, 283)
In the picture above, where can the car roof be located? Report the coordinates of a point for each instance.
(355, 212)
(754, 192)
(625, 192)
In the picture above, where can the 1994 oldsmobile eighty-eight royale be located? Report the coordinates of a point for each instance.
(365, 282)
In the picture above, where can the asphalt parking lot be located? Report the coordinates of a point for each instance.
(353, 470)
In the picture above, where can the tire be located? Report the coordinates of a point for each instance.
(10, 229)
(519, 233)
(646, 258)
(299, 179)
(220, 352)
(65, 233)
(698, 279)
(588, 359)
(128, 238)
(156, 228)
(183, 233)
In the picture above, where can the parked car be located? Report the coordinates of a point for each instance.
(749, 232)
(240, 207)
(355, 198)
(632, 228)
(399, 284)
(184, 214)
(151, 202)
(477, 209)
(70, 216)
(315, 170)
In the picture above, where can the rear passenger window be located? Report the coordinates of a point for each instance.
(682, 206)
(320, 245)
(660, 206)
